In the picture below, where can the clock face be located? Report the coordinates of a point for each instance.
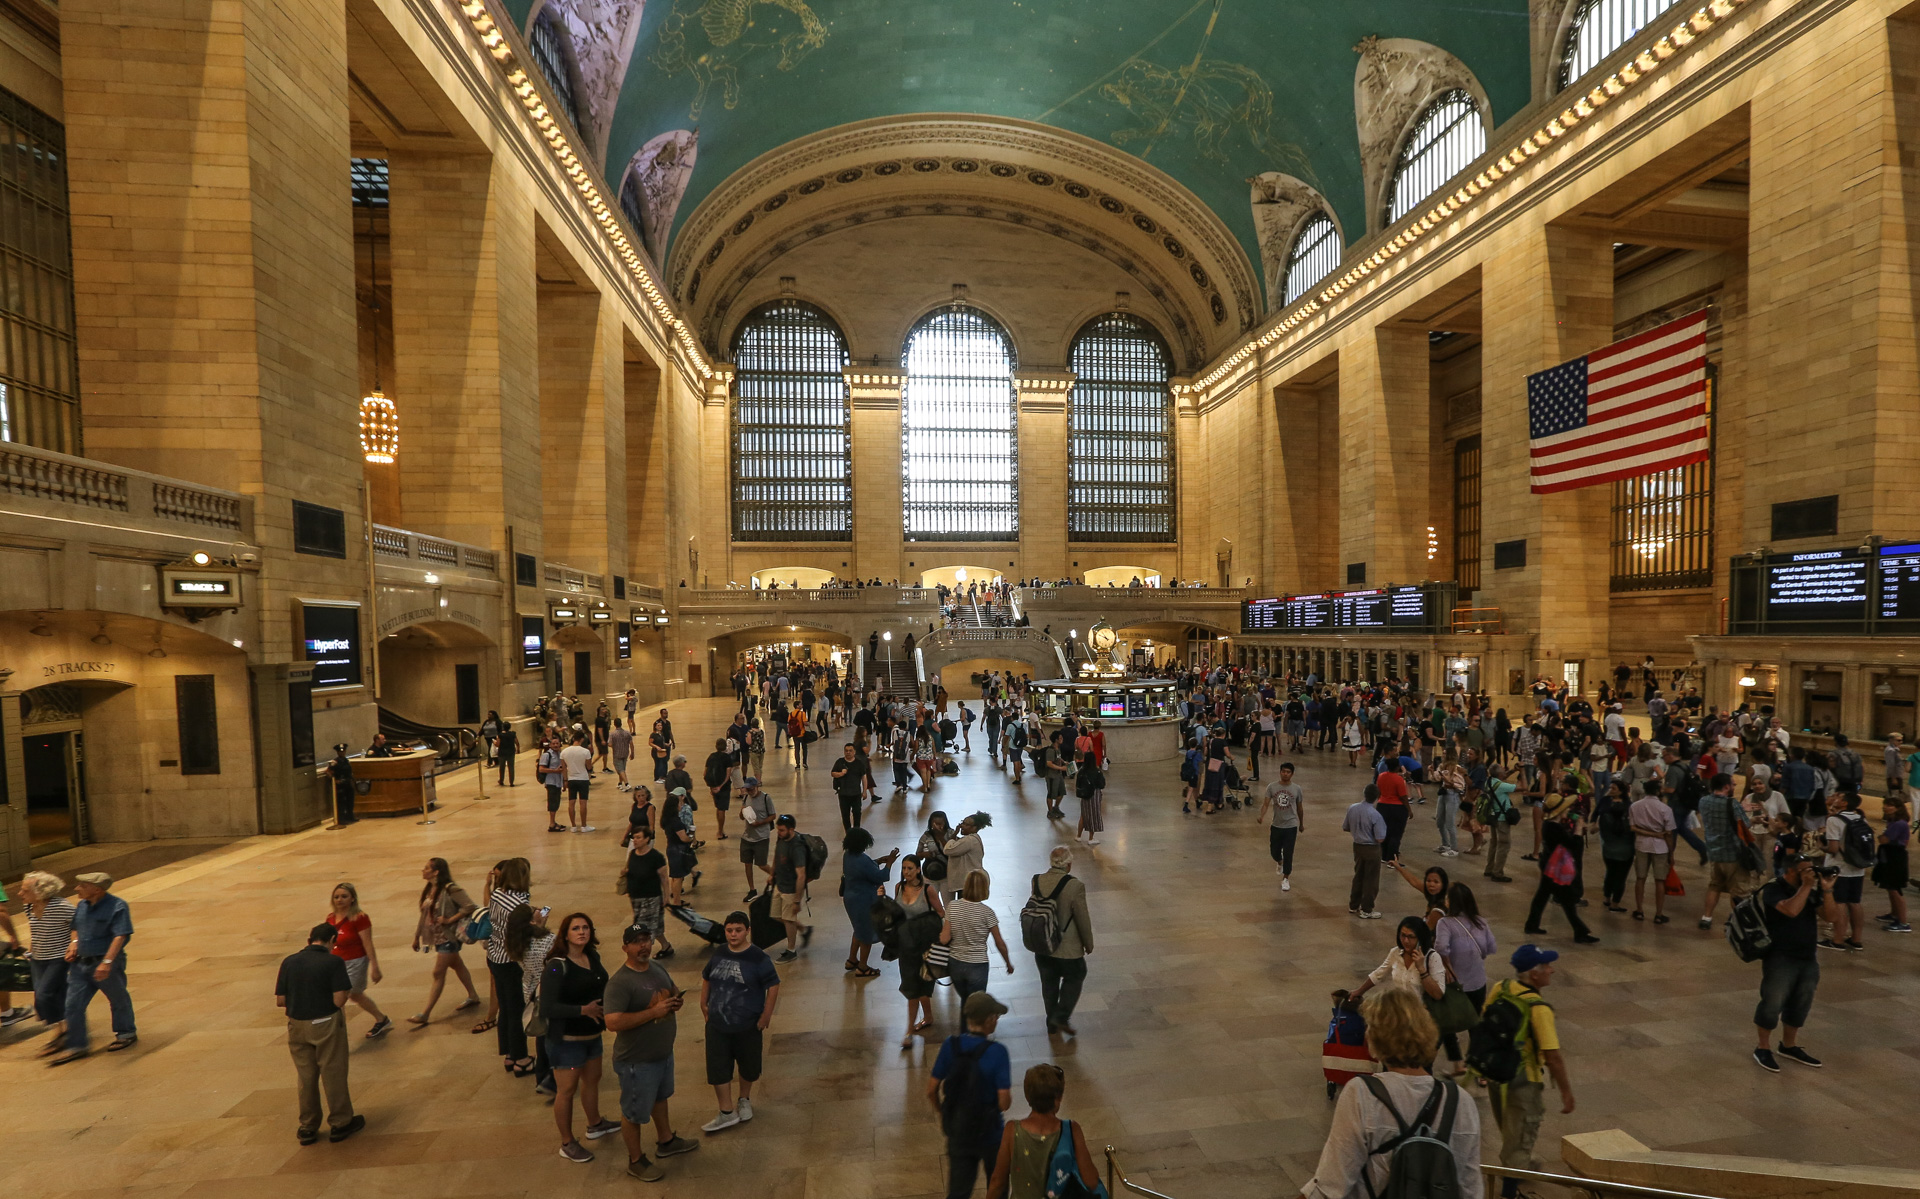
(1103, 638)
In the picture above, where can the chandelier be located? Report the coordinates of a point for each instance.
(379, 419)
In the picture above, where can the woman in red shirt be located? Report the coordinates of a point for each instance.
(354, 946)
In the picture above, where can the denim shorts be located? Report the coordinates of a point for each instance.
(643, 1084)
(446, 947)
(563, 1054)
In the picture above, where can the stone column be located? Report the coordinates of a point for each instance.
(649, 548)
(1385, 455)
(879, 517)
(582, 429)
(1545, 300)
(466, 324)
(1043, 399)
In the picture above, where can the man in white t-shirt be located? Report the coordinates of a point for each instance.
(1843, 809)
(1615, 726)
(577, 761)
(1653, 835)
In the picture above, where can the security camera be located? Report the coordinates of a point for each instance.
(248, 557)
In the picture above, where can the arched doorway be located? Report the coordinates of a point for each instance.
(577, 663)
(1121, 576)
(439, 673)
(53, 757)
(958, 576)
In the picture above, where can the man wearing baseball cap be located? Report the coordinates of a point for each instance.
(1519, 1106)
(96, 951)
(972, 1085)
(756, 817)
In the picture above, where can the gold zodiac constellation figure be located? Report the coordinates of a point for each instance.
(732, 31)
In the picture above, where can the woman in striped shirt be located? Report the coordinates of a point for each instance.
(507, 887)
(50, 924)
(968, 925)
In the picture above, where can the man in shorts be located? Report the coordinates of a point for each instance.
(738, 990)
(639, 1006)
(790, 884)
(1653, 833)
(756, 816)
(553, 776)
(677, 832)
(577, 760)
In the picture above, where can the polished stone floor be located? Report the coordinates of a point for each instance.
(1200, 1030)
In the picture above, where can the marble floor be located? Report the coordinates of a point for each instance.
(1200, 1032)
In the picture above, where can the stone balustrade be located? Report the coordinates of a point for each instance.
(37, 482)
(433, 553)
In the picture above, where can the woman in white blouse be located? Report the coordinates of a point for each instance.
(1413, 965)
(1402, 1036)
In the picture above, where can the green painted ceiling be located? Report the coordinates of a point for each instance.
(1211, 92)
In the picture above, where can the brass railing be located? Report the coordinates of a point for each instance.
(1117, 1181)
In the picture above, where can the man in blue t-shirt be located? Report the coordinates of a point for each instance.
(738, 991)
(978, 1078)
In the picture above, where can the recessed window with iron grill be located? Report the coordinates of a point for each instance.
(553, 54)
(1120, 434)
(1316, 251)
(39, 378)
(1663, 526)
(792, 449)
(1449, 135)
(1599, 27)
(959, 442)
(1466, 514)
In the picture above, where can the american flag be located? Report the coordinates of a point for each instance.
(1636, 407)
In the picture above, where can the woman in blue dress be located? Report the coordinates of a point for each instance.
(862, 880)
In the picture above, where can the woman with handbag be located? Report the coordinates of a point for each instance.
(1562, 827)
(970, 922)
(444, 907)
(508, 904)
(1090, 785)
(572, 984)
(1464, 941)
(1041, 1155)
(922, 915)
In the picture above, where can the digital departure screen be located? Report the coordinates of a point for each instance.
(1818, 586)
(1900, 582)
(1376, 609)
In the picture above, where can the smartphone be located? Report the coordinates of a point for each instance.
(541, 915)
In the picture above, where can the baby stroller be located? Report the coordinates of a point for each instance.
(707, 930)
(1233, 787)
(1344, 1055)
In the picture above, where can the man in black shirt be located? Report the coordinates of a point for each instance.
(313, 987)
(1789, 973)
(504, 751)
(849, 778)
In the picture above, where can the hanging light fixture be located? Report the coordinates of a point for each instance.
(379, 419)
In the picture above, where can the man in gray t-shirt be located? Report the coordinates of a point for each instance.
(1284, 797)
(639, 1006)
(756, 809)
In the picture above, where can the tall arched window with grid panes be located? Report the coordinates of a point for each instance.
(1450, 133)
(1120, 433)
(552, 50)
(959, 436)
(1599, 27)
(1315, 252)
(792, 443)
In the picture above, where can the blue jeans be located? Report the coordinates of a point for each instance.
(968, 977)
(81, 988)
(1448, 818)
(1786, 991)
(49, 989)
(1681, 816)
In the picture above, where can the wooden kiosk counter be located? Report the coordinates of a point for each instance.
(397, 785)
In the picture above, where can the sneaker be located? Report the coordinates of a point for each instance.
(1763, 1058)
(348, 1129)
(1092, 841)
(1280, 870)
(1372, 915)
(1898, 928)
(14, 1015)
(745, 1109)
(1706, 922)
(1449, 853)
(678, 1144)
(1830, 943)
(748, 897)
(1285, 883)
(645, 1170)
(786, 955)
(543, 1086)
(1794, 1053)
(806, 935)
(573, 1151)
(1852, 945)
(604, 1128)
(589, 828)
(724, 1120)
(381, 1027)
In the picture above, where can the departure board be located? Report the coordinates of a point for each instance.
(1403, 609)
(1900, 582)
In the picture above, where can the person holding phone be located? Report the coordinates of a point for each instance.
(639, 1005)
(571, 988)
(861, 879)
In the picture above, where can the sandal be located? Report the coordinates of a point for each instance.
(866, 972)
(1662, 918)
(486, 1025)
(851, 965)
(469, 1001)
(522, 1068)
(418, 1021)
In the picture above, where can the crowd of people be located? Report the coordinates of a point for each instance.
(1777, 828)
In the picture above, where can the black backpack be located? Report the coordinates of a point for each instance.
(1747, 929)
(1857, 845)
(1422, 1164)
(1614, 819)
(966, 1109)
(1040, 923)
(1493, 1045)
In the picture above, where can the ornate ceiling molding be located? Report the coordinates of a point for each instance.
(994, 168)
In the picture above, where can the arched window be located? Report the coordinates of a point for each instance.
(792, 449)
(1316, 251)
(1600, 27)
(633, 204)
(1449, 135)
(959, 443)
(1120, 433)
(553, 54)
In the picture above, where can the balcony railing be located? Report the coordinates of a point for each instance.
(1079, 594)
(47, 484)
(646, 592)
(859, 597)
(401, 544)
(566, 578)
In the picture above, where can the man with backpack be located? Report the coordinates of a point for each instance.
(972, 1084)
(1515, 1047)
(1851, 847)
(1792, 906)
(792, 867)
(1058, 930)
(1723, 822)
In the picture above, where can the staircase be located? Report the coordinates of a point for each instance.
(893, 678)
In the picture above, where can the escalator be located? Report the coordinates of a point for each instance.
(457, 746)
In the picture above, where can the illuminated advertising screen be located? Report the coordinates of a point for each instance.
(332, 636)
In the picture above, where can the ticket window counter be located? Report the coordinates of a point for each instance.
(1412, 667)
(1820, 701)
(1463, 672)
(1894, 699)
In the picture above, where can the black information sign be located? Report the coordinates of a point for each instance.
(1824, 586)
(1408, 609)
(533, 643)
(1854, 590)
(622, 640)
(1900, 582)
(332, 636)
